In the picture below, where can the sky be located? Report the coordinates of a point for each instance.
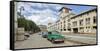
(42, 13)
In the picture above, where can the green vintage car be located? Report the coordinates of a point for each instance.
(55, 37)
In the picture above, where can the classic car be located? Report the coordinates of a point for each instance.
(55, 37)
(27, 35)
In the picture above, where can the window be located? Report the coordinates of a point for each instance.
(87, 21)
(94, 27)
(69, 25)
(75, 23)
(81, 22)
(61, 22)
(94, 19)
(61, 29)
(61, 26)
(64, 29)
(68, 20)
(64, 21)
(69, 29)
(64, 25)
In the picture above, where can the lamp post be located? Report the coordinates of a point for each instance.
(21, 8)
(21, 30)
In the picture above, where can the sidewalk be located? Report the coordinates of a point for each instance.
(25, 43)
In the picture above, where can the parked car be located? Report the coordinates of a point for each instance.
(30, 32)
(26, 36)
(44, 34)
(55, 37)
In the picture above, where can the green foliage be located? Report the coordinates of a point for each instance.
(28, 25)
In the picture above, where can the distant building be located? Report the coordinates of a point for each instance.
(84, 22)
(43, 27)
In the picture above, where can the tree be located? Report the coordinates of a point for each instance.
(28, 25)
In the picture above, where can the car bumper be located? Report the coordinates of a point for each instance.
(44, 36)
(59, 41)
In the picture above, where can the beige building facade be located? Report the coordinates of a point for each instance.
(85, 22)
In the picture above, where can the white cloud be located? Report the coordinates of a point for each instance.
(41, 20)
(40, 16)
(43, 16)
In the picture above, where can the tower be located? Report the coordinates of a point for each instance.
(64, 11)
(64, 16)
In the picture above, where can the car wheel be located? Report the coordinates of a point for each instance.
(48, 39)
(52, 41)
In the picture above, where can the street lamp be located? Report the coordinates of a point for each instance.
(22, 16)
(21, 8)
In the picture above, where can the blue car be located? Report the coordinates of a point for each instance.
(44, 34)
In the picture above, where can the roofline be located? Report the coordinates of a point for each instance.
(65, 7)
(83, 12)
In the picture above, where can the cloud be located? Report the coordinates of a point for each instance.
(43, 17)
(42, 13)
(31, 8)
(41, 20)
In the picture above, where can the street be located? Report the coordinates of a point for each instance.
(82, 38)
(37, 41)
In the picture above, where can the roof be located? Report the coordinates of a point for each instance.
(65, 8)
(84, 12)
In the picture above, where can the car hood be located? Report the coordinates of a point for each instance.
(56, 36)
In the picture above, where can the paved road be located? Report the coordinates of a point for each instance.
(36, 41)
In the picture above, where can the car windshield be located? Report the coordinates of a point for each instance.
(55, 32)
(45, 33)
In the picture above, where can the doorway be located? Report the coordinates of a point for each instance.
(75, 30)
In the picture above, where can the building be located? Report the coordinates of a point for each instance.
(62, 24)
(65, 15)
(84, 22)
(43, 27)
